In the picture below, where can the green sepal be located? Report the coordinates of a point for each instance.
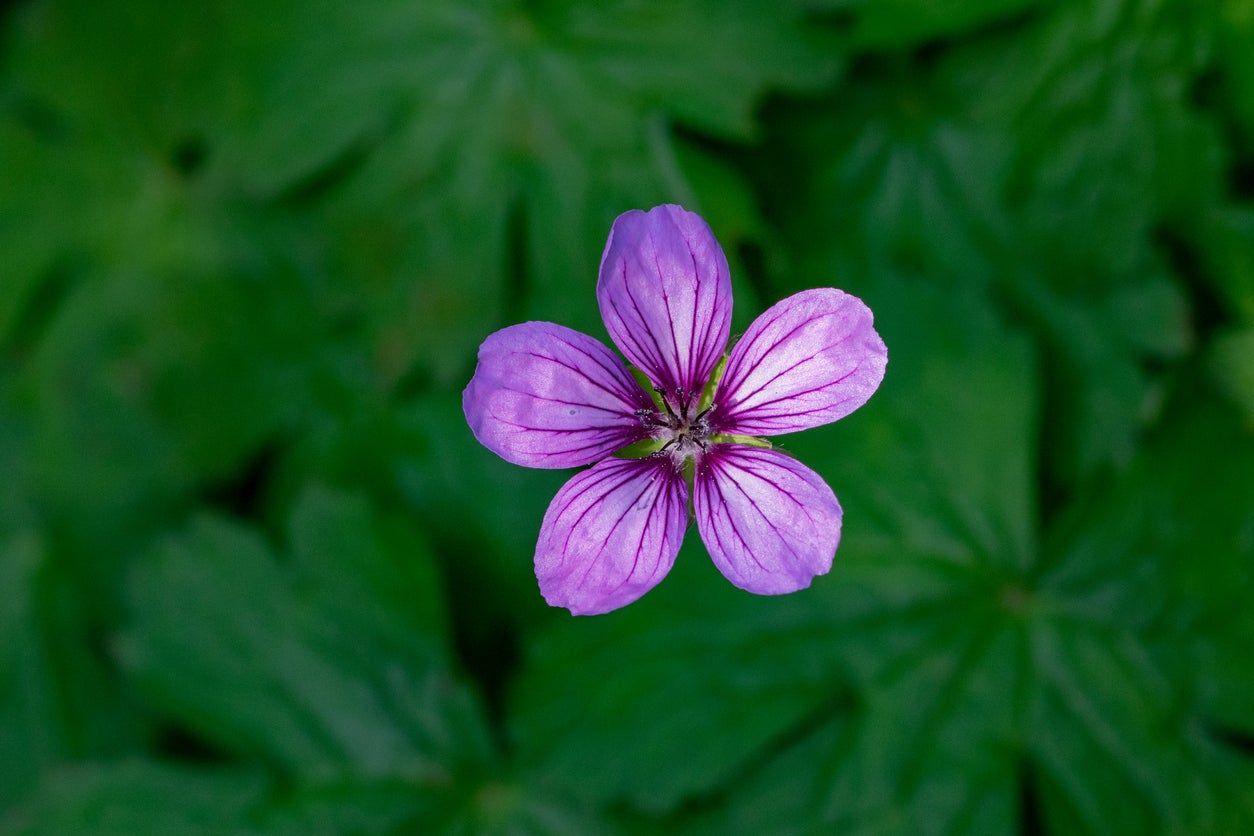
(711, 386)
(640, 449)
(690, 478)
(647, 385)
(746, 440)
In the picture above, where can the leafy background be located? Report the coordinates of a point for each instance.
(256, 577)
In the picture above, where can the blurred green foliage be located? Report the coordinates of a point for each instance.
(257, 577)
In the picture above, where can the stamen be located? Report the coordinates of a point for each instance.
(667, 405)
(685, 398)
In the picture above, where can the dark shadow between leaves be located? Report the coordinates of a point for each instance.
(1238, 741)
(1030, 816)
(242, 494)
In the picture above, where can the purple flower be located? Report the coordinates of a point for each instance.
(686, 420)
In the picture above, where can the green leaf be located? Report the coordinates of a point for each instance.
(551, 66)
(32, 238)
(108, 141)
(17, 503)
(158, 323)
(1236, 57)
(1232, 364)
(330, 666)
(1044, 167)
(137, 798)
(720, 194)
(1147, 580)
(155, 341)
(78, 82)
(482, 512)
(148, 798)
(143, 390)
(891, 24)
(158, 334)
(479, 152)
(348, 807)
(332, 663)
(57, 700)
(959, 659)
(28, 685)
(1225, 239)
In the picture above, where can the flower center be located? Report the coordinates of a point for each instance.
(683, 425)
(683, 429)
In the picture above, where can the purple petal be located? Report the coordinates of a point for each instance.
(611, 534)
(665, 295)
(546, 396)
(810, 359)
(770, 523)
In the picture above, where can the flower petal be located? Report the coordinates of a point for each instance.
(546, 396)
(810, 359)
(665, 295)
(611, 534)
(770, 523)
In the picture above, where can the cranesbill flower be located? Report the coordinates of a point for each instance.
(685, 420)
